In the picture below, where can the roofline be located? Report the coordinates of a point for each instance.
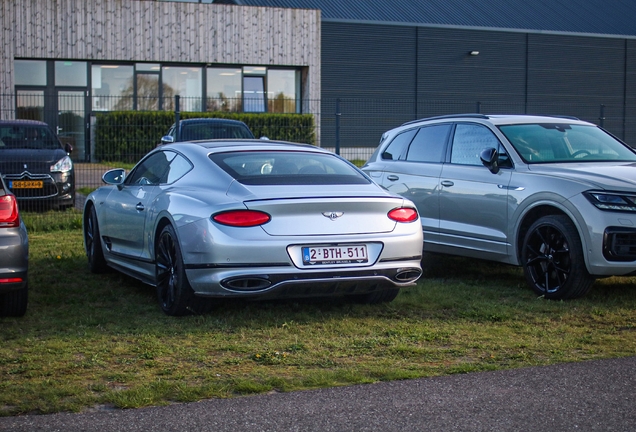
(495, 117)
(214, 119)
(245, 142)
(497, 29)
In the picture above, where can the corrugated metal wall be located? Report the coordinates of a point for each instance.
(630, 91)
(577, 75)
(371, 63)
(447, 70)
(423, 71)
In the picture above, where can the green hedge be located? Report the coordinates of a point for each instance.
(128, 135)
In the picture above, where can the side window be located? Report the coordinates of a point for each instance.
(428, 145)
(152, 170)
(469, 141)
(397, 147)
(178, 168)
(504, 159)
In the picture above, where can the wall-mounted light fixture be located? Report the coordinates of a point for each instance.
(474, 53)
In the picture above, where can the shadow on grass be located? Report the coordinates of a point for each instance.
(504, 280)
(65, 296)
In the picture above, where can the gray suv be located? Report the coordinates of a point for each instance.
(554, 195)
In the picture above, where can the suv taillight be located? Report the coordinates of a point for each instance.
(9, 216)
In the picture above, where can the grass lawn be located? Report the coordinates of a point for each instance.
(101, 339)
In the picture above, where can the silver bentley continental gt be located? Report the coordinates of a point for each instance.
(254, 219)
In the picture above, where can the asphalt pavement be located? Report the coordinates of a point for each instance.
(587, 396)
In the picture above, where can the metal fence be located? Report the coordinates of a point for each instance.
(350, 127)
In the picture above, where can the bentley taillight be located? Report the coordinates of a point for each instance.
(241, 218)
(403, 214)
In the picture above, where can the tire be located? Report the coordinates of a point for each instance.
(92, 240)
(385, 295)
(552, 259)
(14, 303)
(175, 295)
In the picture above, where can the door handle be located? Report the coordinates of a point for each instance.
(447, 183)
(139, 207)
(392, 177)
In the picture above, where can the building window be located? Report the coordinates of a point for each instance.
(152, 86)
(253, 94)
(185, 82)
(70, 74)
(30, 104)
(147, 86)
(254, 89)
(223, 89)
(112, 87)
(147, 92)
(282, 90)
(30, 72)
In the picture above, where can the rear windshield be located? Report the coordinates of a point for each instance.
(27, 137)
(203, 131)
(562, 142)
(288, 168)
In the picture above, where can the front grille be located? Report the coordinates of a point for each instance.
(619, 244)
(48, 189)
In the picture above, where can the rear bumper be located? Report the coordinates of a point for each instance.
(14, 258)
(12, 281)
(289, 282)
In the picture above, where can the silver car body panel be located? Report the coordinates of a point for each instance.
(130, 217)
(470, 211)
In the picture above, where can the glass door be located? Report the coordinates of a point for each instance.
(71, 122)
(253, 94)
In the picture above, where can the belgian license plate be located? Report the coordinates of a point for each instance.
(345, 254)
(26, 184)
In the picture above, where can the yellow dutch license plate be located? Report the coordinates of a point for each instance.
(26, 184)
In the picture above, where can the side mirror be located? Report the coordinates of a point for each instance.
(114, 177)
(490, 158)
(167, 139)
(68, 148)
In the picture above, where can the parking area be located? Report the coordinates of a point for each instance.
(87, 175)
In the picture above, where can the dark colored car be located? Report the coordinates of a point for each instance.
(206, 129)
(35, 165)
(14, 256)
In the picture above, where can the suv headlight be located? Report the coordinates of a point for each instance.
(63, 165)
(612, 201)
